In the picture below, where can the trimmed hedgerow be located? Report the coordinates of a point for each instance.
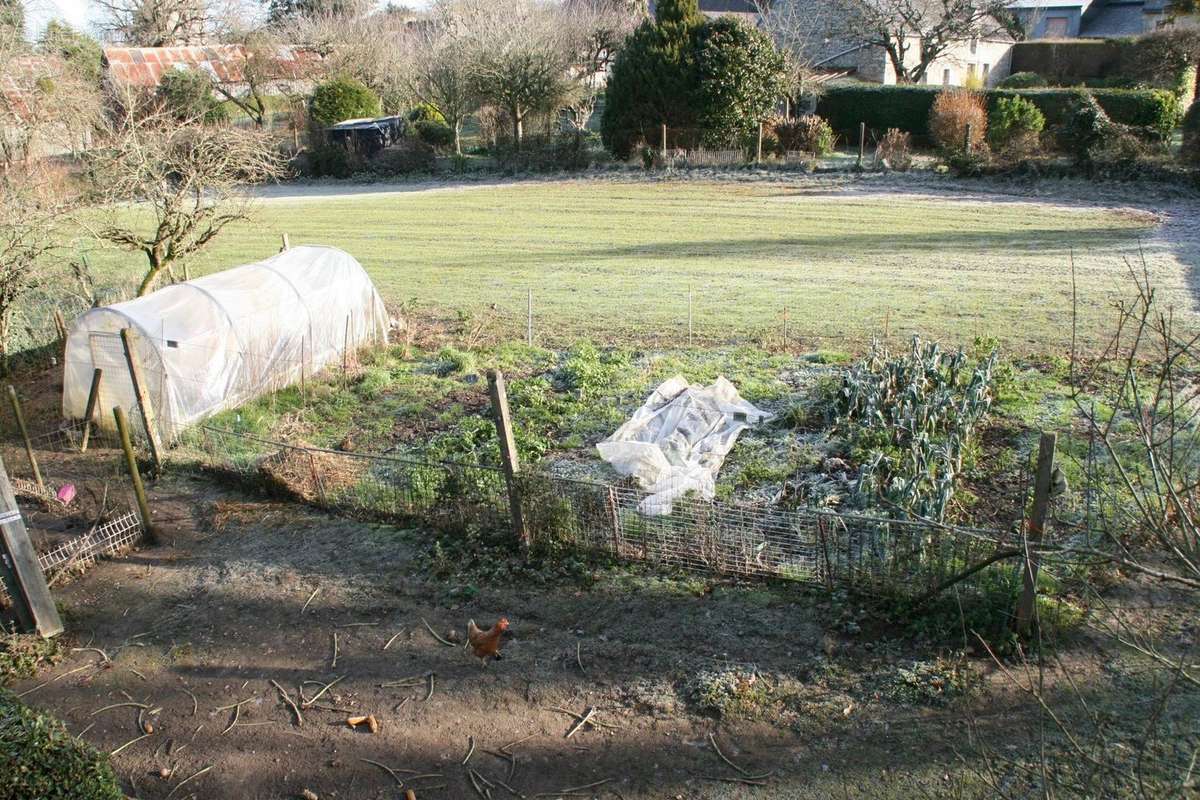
(908, 107)
(39, 758)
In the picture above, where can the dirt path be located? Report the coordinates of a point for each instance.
(246, 592)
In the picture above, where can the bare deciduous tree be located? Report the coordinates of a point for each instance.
(355, 41)
(47, 106)
(801, 30)
(440, 69)
(188, 178)
(520, 56)
(33, 201)
(263, 73)
(594, 31)
(913, 33)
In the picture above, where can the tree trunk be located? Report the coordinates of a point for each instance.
(518, 127)
(156, 267)
(457, 136)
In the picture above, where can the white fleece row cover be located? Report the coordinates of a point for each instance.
(215, 342)
(677, 441)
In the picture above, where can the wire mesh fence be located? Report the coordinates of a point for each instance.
(565, 514)
(75, 501)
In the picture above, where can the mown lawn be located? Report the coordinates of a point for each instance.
(615, 261)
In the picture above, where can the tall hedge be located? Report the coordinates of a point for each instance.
(739, 78)
(1163, 60)
(40, 759)
(908, 107)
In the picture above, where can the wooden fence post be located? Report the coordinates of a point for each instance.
(664, 142)
(90, 413)
(690, 326)
(287, 245)
(142, 396)
(508, 452)
(758, 147)
(16, 407)
(1033, 536)
(20, 570)
(862, 142)
(135, 477)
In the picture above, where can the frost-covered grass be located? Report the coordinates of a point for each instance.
(613, 260)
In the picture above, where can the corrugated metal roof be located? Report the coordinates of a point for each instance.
(145, 66)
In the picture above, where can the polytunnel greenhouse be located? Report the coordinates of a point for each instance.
(215, 342)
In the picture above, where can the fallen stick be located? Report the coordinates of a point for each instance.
(103, 654)
(291, 703)
(195, 702)
(356, 624)
(475, 785)
(131, 741)
(57, 678)
(399, 781)
(193, 776)
(510, 790)
(306, 703)
(426, 700)
(333, 664)
(435, 634)
(401, 704)
(310, 599)
(118, 705)
(578, 659)
(412, 681)
(506, 747)
(394, 638)
(588, 713)
(470, 750)
(573, 789)
(713, 740)
(735, 779)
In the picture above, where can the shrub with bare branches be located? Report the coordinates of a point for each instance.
(955, 112)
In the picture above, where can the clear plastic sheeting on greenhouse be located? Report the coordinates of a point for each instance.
(677, 441)
(215, 342)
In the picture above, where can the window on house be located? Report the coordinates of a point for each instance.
(945, 77)
(970, 71)
(974, 45)
(986, 69)
(1056, 27)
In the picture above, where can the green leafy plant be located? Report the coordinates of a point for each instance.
(1191, 134)
(911, 417)
(40, 759)
(1014, 125)
(435, 134)
(426, 112)
(187, 95)
(341, 99)
(1022, 80)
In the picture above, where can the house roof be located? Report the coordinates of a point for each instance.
(145, 66)
(1115, 19)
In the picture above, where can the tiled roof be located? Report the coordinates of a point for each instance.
(1115, 19)
(145, 66)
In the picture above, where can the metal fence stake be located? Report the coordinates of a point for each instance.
(90, 413)
(33, 464)
(20, 570)
(142, 396)
(690, 329)
(508, 452)
(135, 477)
(862, 142)
(1037, 522)
(529, 318)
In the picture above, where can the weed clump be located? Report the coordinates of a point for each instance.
(728, 693)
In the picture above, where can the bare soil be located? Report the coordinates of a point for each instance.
(245, 591)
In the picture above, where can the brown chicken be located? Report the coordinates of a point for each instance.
(486, 644)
